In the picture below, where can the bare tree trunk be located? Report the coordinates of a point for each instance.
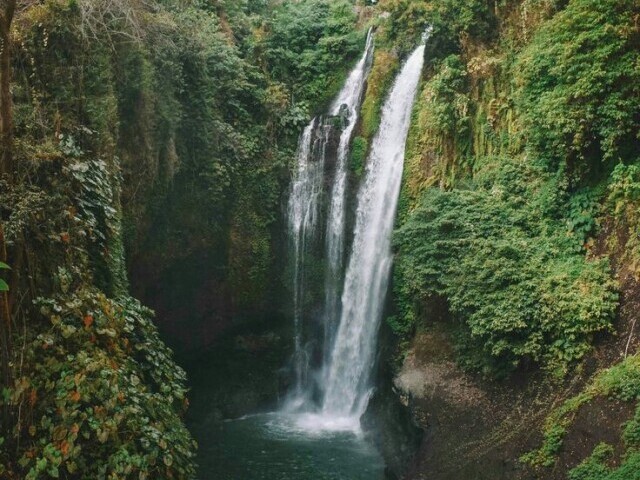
(7, 9)
(6, 110)
(5, 336)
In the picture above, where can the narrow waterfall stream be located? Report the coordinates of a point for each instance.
(303, 215)
(365, 285)
(349, 99)
(317, 434)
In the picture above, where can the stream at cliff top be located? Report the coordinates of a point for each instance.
(275, 446)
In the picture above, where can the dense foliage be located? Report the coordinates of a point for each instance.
(307, 45)
(519, 212)
(509, 175)
(443, 128)
(240, 98)
(449, 22)
(95, 390)
(580, 88)
(622, 204)
(145, 133)
(519, 283)
(103, 396)
(159, 135)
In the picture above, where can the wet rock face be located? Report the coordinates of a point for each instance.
(438, 380)
(389, 425)
(478, 429)
(243, 373)
(331, 127)
(473, 429)
(344, 115)
(388, 422)
(192, 309)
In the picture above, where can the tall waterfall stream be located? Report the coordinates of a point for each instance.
(304, 215)
(316, 435)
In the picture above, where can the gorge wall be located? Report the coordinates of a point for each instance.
(153, 152)
(515, 283)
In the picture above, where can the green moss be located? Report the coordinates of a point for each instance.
(622, 381)
(385, 65)
(439, 148)
(359, 150)
(580, 86)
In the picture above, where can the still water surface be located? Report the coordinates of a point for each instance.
(275, 446)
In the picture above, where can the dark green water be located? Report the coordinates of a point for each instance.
(274, 447)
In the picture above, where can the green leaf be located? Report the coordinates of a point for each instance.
(4, 266)
(3, 286)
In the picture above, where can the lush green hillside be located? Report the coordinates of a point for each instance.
(518, 224)
(146, 152)
(153, 135)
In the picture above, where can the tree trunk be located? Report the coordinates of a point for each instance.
(6, 109)
(6, 168)
(5, 337)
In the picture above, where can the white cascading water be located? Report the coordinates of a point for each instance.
(347, 102)
(303, 212)
(347, 386)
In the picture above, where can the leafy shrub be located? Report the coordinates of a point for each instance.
(521, 288)
(446, 99)
(358, 155)
(406, 23)
(594, 467)
(621, 381)
(622, 200)
(631, 432)
(97, 394)
(307, 45)
(103, 393)
(546, 455)
(580, 85)
(583, 209)
(450, 20)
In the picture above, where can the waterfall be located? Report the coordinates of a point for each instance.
(347, 384)
(353, 297)
(347, 104)
(303, 212)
